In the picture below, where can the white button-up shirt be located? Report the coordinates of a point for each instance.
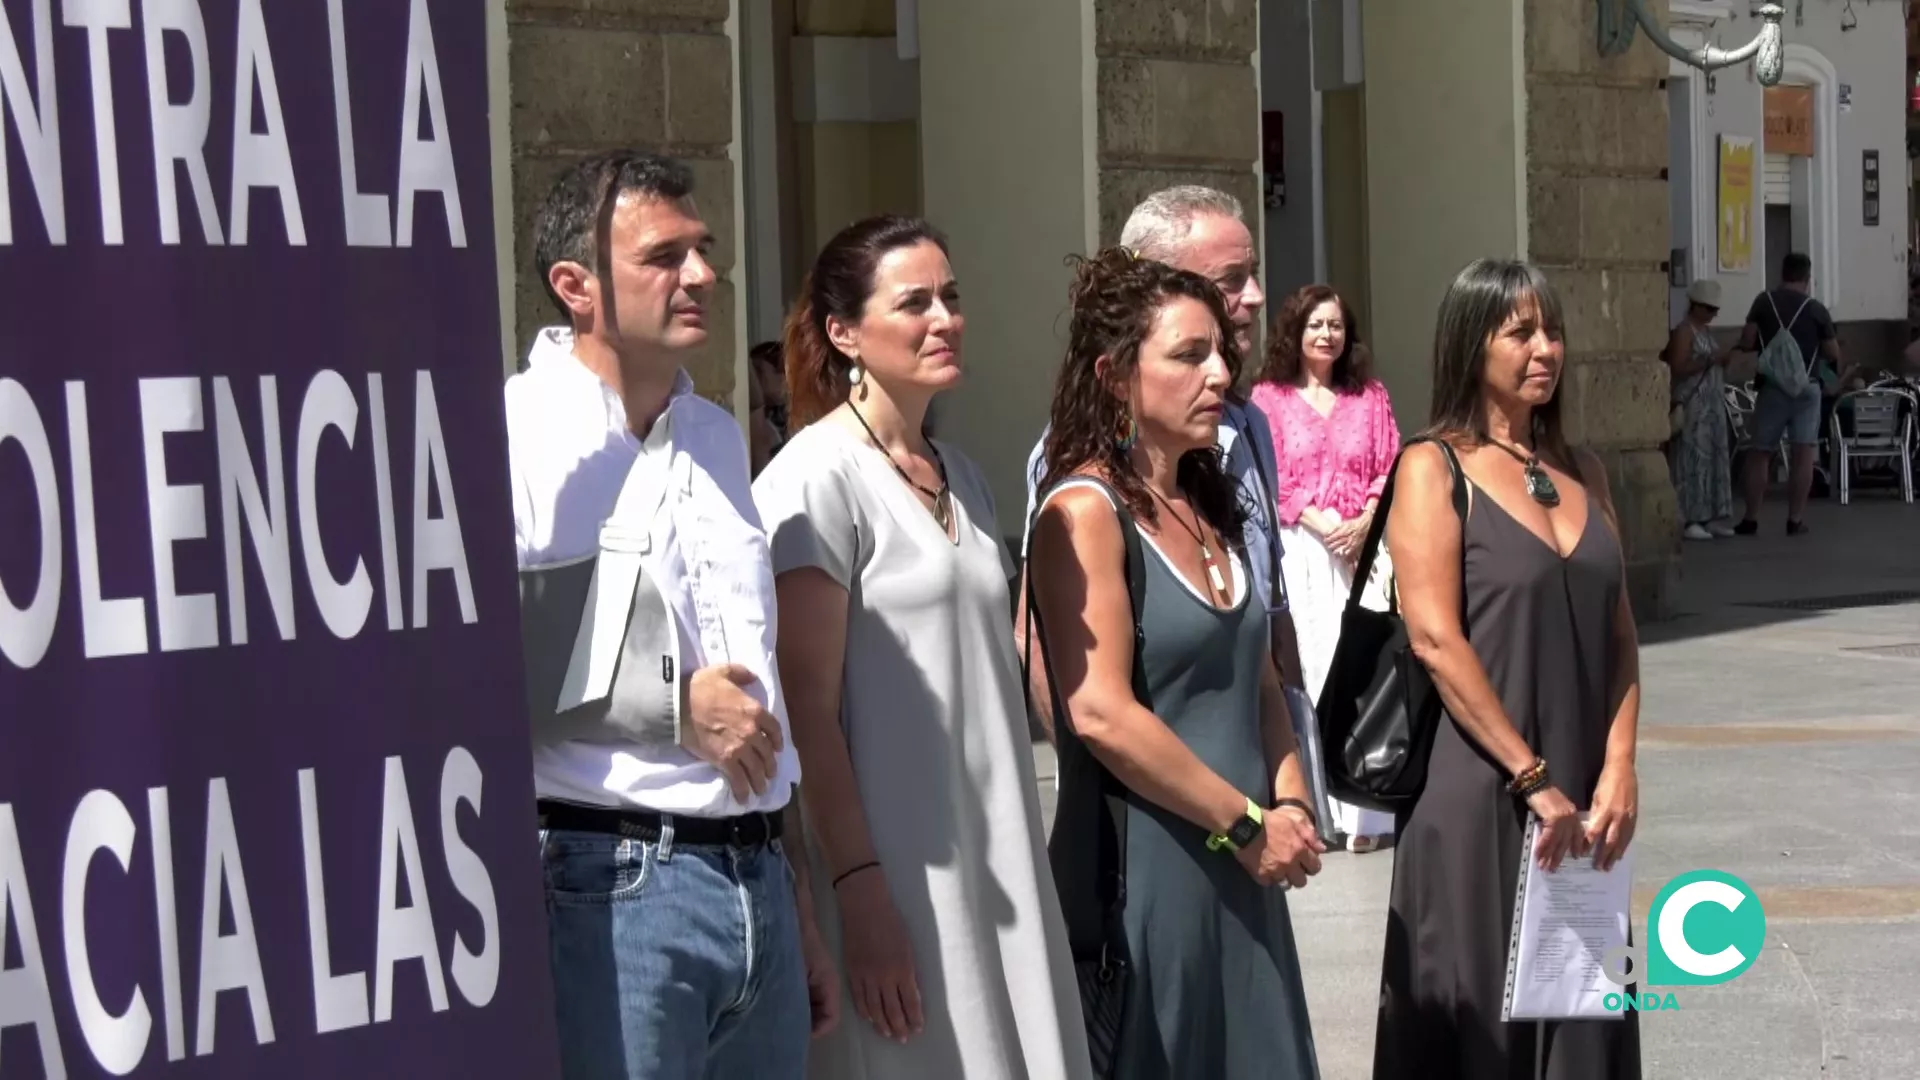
(570, 454)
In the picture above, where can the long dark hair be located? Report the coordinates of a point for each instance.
(1485, 294)
(1350, 369)
(839, 284)
(1115, 296)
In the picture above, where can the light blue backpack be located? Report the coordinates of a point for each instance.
(1781, 362)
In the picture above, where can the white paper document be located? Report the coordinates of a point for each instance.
(1563, 923)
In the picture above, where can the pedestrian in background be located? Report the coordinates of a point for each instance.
(1176, 725)
(1702, 459)
(1335, 439)
(1540, 678)
(767, 361)
(762, 436)
(1789, 309)
(904, 688)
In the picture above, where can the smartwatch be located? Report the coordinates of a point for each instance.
(1241, 833)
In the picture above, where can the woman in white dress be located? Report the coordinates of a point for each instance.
(1335, 440)
(904, 693)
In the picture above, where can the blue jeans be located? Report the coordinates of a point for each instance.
(675, 962)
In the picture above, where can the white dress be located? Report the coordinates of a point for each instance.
(936, 726)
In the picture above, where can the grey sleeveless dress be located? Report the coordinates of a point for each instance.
(1543, 627)
(1217, 990)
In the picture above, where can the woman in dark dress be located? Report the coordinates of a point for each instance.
(1541, 685)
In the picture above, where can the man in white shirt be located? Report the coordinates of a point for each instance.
(682, 947)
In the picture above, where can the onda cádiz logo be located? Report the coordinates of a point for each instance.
(1706, 927)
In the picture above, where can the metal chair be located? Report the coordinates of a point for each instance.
(1740, 400)
(1883, 430)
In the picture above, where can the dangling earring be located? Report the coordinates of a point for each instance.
(856, 377)
(1125, 441)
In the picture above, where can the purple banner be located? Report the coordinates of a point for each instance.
(265, 799)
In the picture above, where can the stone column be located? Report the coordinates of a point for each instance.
(1554, 155)
(1597, 215)
(1178, 102)
(1035, 145)
(1006, 171)
(592, 75)
(1445, 156)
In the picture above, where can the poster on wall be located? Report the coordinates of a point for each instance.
(1736, 203)
(266, 805)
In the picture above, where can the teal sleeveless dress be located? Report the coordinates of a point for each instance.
(1217, 990)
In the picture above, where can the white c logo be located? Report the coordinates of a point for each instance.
(1673, 933)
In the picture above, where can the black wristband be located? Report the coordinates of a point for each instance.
(1297, 804)
(855, 870)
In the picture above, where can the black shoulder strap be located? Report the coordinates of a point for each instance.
(1112, 860)
(1136, 593)
(1378, 531)
(1797, 312)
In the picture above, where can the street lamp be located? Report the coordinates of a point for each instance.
(1618, 18)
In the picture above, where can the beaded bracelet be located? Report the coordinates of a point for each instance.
(1530, 780)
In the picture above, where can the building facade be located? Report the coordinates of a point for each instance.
(1828, 158)
(1379, 145)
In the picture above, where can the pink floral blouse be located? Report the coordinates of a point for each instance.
(1336, 462)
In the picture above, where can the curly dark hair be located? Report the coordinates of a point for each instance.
(1115, 297)
(1350, 373)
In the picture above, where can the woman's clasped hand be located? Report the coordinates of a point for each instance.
(1285, 853)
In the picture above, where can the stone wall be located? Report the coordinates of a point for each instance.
(1178, 101)
(1596, 153)
(593, 75)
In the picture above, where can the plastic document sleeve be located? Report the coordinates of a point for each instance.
(1563, 924)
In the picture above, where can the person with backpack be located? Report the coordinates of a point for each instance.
(1787, 387)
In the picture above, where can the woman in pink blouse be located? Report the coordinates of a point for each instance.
(1335, 440)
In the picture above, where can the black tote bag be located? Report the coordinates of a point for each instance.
(1378, 709)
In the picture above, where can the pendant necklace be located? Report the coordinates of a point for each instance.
(942, 499)
(1539, 485)
(1219, 582)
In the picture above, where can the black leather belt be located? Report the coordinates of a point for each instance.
(747, 830)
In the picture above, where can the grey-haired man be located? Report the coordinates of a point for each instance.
(1202, 230)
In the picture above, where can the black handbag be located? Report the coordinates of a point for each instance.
(1087, 850)
(1378, 709)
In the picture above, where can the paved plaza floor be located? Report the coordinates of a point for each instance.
(1780, 742)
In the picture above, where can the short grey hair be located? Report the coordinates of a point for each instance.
(1163, 219)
